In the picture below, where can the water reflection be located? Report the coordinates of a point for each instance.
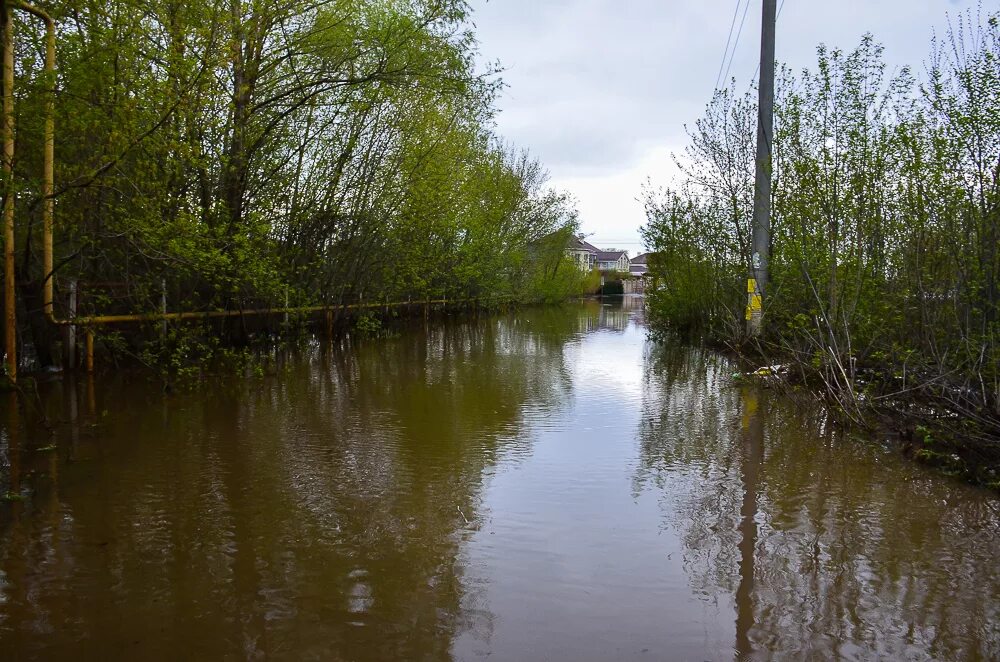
(538, 484)
(827, 546)
(751, 458)
(316, 511)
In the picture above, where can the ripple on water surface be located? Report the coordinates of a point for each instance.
(541, 484)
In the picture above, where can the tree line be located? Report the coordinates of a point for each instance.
(885, 229)
(245, 152)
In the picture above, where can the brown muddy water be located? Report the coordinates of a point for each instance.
(538, 485)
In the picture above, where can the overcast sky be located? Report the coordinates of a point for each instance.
(600, 90)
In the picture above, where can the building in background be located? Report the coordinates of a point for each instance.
(613, 261)
(584, 254)
(638, 265)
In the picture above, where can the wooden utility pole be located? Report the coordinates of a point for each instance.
(760, 248)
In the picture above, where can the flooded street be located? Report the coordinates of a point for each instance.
(542, 484)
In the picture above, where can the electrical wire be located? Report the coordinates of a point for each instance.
(729, 40)
(739, 33)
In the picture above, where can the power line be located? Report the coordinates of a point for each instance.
(738, 34)
(729, 40)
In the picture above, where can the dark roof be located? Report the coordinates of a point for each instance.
(609, 256)
(578, 244)
(640, 259)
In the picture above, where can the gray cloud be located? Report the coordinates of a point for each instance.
(595, 85)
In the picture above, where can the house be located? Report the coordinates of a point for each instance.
(638, 265)
(582, 253)
(613, 261)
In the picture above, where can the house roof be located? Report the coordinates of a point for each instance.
(578, 244)
(610, 256)
(640, 259)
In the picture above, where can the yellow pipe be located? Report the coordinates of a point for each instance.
(9, 300)
(98, 320)
(48, 183)
(48, 161)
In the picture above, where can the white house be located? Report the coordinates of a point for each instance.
(582, 253)
(613, 261)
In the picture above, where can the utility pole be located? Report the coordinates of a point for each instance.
(760, 248)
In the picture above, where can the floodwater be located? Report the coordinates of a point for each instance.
(538, 485)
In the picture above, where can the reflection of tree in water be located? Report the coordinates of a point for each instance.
(317, 513)
(684, 441)
(856, 553)
(892, 559)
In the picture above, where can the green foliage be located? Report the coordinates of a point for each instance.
(591, 282)
(244, 151)
(885, 228)
(185, 353)
(368, 325)
(692, 269)
(553, 290)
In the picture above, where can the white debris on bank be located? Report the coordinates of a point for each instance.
(770, 371)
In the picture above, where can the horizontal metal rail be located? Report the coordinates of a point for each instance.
(99, 320)
(89, 322)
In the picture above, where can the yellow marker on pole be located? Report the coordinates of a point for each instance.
(754, 304)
